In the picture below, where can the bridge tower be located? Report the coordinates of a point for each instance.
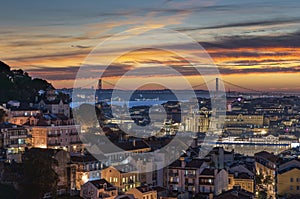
(100, 84)
(217, 85)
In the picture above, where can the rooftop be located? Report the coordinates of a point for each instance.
(266, 155)
(102, 184)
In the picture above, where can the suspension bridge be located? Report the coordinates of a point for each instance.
(231, 89)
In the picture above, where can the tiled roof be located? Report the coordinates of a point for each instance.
(208, 172)
(235, 194)
(7, 125)
(266, 155)
(83, 158)
(100, 184)
(144, 188)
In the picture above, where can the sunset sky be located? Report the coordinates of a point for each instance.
(254, 43)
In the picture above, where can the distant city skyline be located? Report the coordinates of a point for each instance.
(255, 44)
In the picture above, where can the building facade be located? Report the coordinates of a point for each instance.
(124, 177)
(13, 140)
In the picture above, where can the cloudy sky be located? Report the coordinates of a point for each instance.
(254, 43)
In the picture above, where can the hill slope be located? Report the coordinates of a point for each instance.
(18, 85)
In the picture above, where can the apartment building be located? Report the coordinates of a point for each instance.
(265, 165)
(56, 132)
(96, 189)
(241, 176)
(213, 181)
(124, 177)
(288, 178)
(86, 168)
(13, 140)
(143, 192)
(183, 175)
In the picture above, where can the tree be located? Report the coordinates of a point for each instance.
(7, 191)
(258, 179)
(268, 180)
(262, 195)
(18, 85)
(38, 175)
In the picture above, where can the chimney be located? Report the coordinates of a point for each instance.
(235, 193)
(195, 142)
(182, 160)
(133, 143)
(236, 174)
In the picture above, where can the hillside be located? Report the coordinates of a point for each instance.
(18, 85)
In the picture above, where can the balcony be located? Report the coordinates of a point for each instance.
(18, 136)
(54, 135)
(189, 175)
(73, 133)
(16, 145)
(206, 183)
(173, 182)
(190, 183)
(130, 182)
(76, 142)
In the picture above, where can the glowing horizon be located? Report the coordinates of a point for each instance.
(255, 44)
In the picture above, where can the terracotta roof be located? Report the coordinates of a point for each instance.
(125, 168)
(127, 146)
(266, 155)
(195, 163)
(100, 184)
(159, 188)
(144, 188)
(208, 172)
(288, 169)
(235, 194)
(7, 125)
(243, 176)
(83, 158)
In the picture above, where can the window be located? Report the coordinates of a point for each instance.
(298, 188)
(291, 188)
(292, 180)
